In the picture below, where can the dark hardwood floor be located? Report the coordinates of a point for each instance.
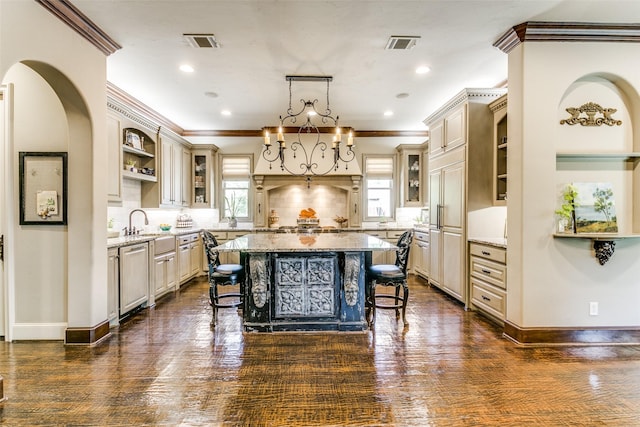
(166, 367)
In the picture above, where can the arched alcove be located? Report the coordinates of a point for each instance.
(52, 264)
(600, 152)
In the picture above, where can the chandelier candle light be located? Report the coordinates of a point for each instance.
(309, 166)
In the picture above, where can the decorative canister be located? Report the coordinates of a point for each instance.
(274, 219)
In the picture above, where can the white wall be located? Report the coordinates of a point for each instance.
(60, 271)
(551, 281)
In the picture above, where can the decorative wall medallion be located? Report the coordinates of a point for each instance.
(351, 273)
(258, 266)
(590, 110)
(604, 250)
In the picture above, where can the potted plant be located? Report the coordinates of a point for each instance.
(232, 208)
(567, 212)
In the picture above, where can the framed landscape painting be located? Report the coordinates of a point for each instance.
(595, 208)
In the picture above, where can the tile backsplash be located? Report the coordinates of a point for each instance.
(328, 202)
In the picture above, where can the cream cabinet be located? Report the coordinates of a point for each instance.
(171, 190)
(189, 257)
(202, 177)
(185, 181)
(171, 180)
(421, 253)
(195, 257)
(164, 262)
(446, 217)
(488, 279)
(448, 131)
(460, 183)
(500, 143)
(113, 281)
(134, 276)
(411, 165)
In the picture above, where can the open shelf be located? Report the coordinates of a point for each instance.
(139, 176)
(613, 156)
(136, 151)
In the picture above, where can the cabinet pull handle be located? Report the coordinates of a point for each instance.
(486, 298)
(259, 207)
(355, 208)
(485, 271)
(487, 253)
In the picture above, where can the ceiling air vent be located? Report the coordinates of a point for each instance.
(201, 40)
(401, 42)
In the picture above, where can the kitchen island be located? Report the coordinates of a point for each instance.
(305, 282)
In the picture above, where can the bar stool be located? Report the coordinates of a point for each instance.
(221, 275)
(390, 275)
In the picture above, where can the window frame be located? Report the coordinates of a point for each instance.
(392, 190)
(239, 178)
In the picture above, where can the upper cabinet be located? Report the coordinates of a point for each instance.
(449, 131)
(202, 177)
(411, 169)
(171, 189)
(499, 109)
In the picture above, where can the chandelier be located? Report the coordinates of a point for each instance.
(309, 165)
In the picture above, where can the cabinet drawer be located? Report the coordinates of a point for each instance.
(188, 238)
(489, 271)
(489, 252)
(487, 297)
(235, 234)
(421, 236)
(394, 235)
(378, 234)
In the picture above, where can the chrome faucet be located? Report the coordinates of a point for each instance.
(130, 231)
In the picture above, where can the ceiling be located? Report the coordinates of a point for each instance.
(262, 41)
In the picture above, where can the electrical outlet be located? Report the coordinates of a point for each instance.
(593, 309)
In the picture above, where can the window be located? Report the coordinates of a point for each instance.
(236, 183)
(378, 190)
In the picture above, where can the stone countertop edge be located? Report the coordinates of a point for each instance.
(498, 242)
(116, 242)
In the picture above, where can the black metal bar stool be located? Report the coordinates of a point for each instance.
(221, 275)
(390, 275)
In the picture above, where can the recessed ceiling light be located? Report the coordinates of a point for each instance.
(186, 68)
(388, 113)
(402, 95)
(225, 112)
(211, 94)
(423, 69)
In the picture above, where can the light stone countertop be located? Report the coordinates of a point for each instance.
(499, 242)
(322, 242)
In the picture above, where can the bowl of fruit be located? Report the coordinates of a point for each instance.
(165, 227)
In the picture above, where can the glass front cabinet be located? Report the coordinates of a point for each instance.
(411, 170)
(202, 177)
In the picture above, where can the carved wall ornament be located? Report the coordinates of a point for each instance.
(585, 115)
(604, 250)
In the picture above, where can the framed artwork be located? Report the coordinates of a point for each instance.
(43, 188)
(133, 139)
(595, 208)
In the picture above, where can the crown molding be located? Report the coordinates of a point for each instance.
(260, 132)
(568, 32)
(81, 24)
(480, 95)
